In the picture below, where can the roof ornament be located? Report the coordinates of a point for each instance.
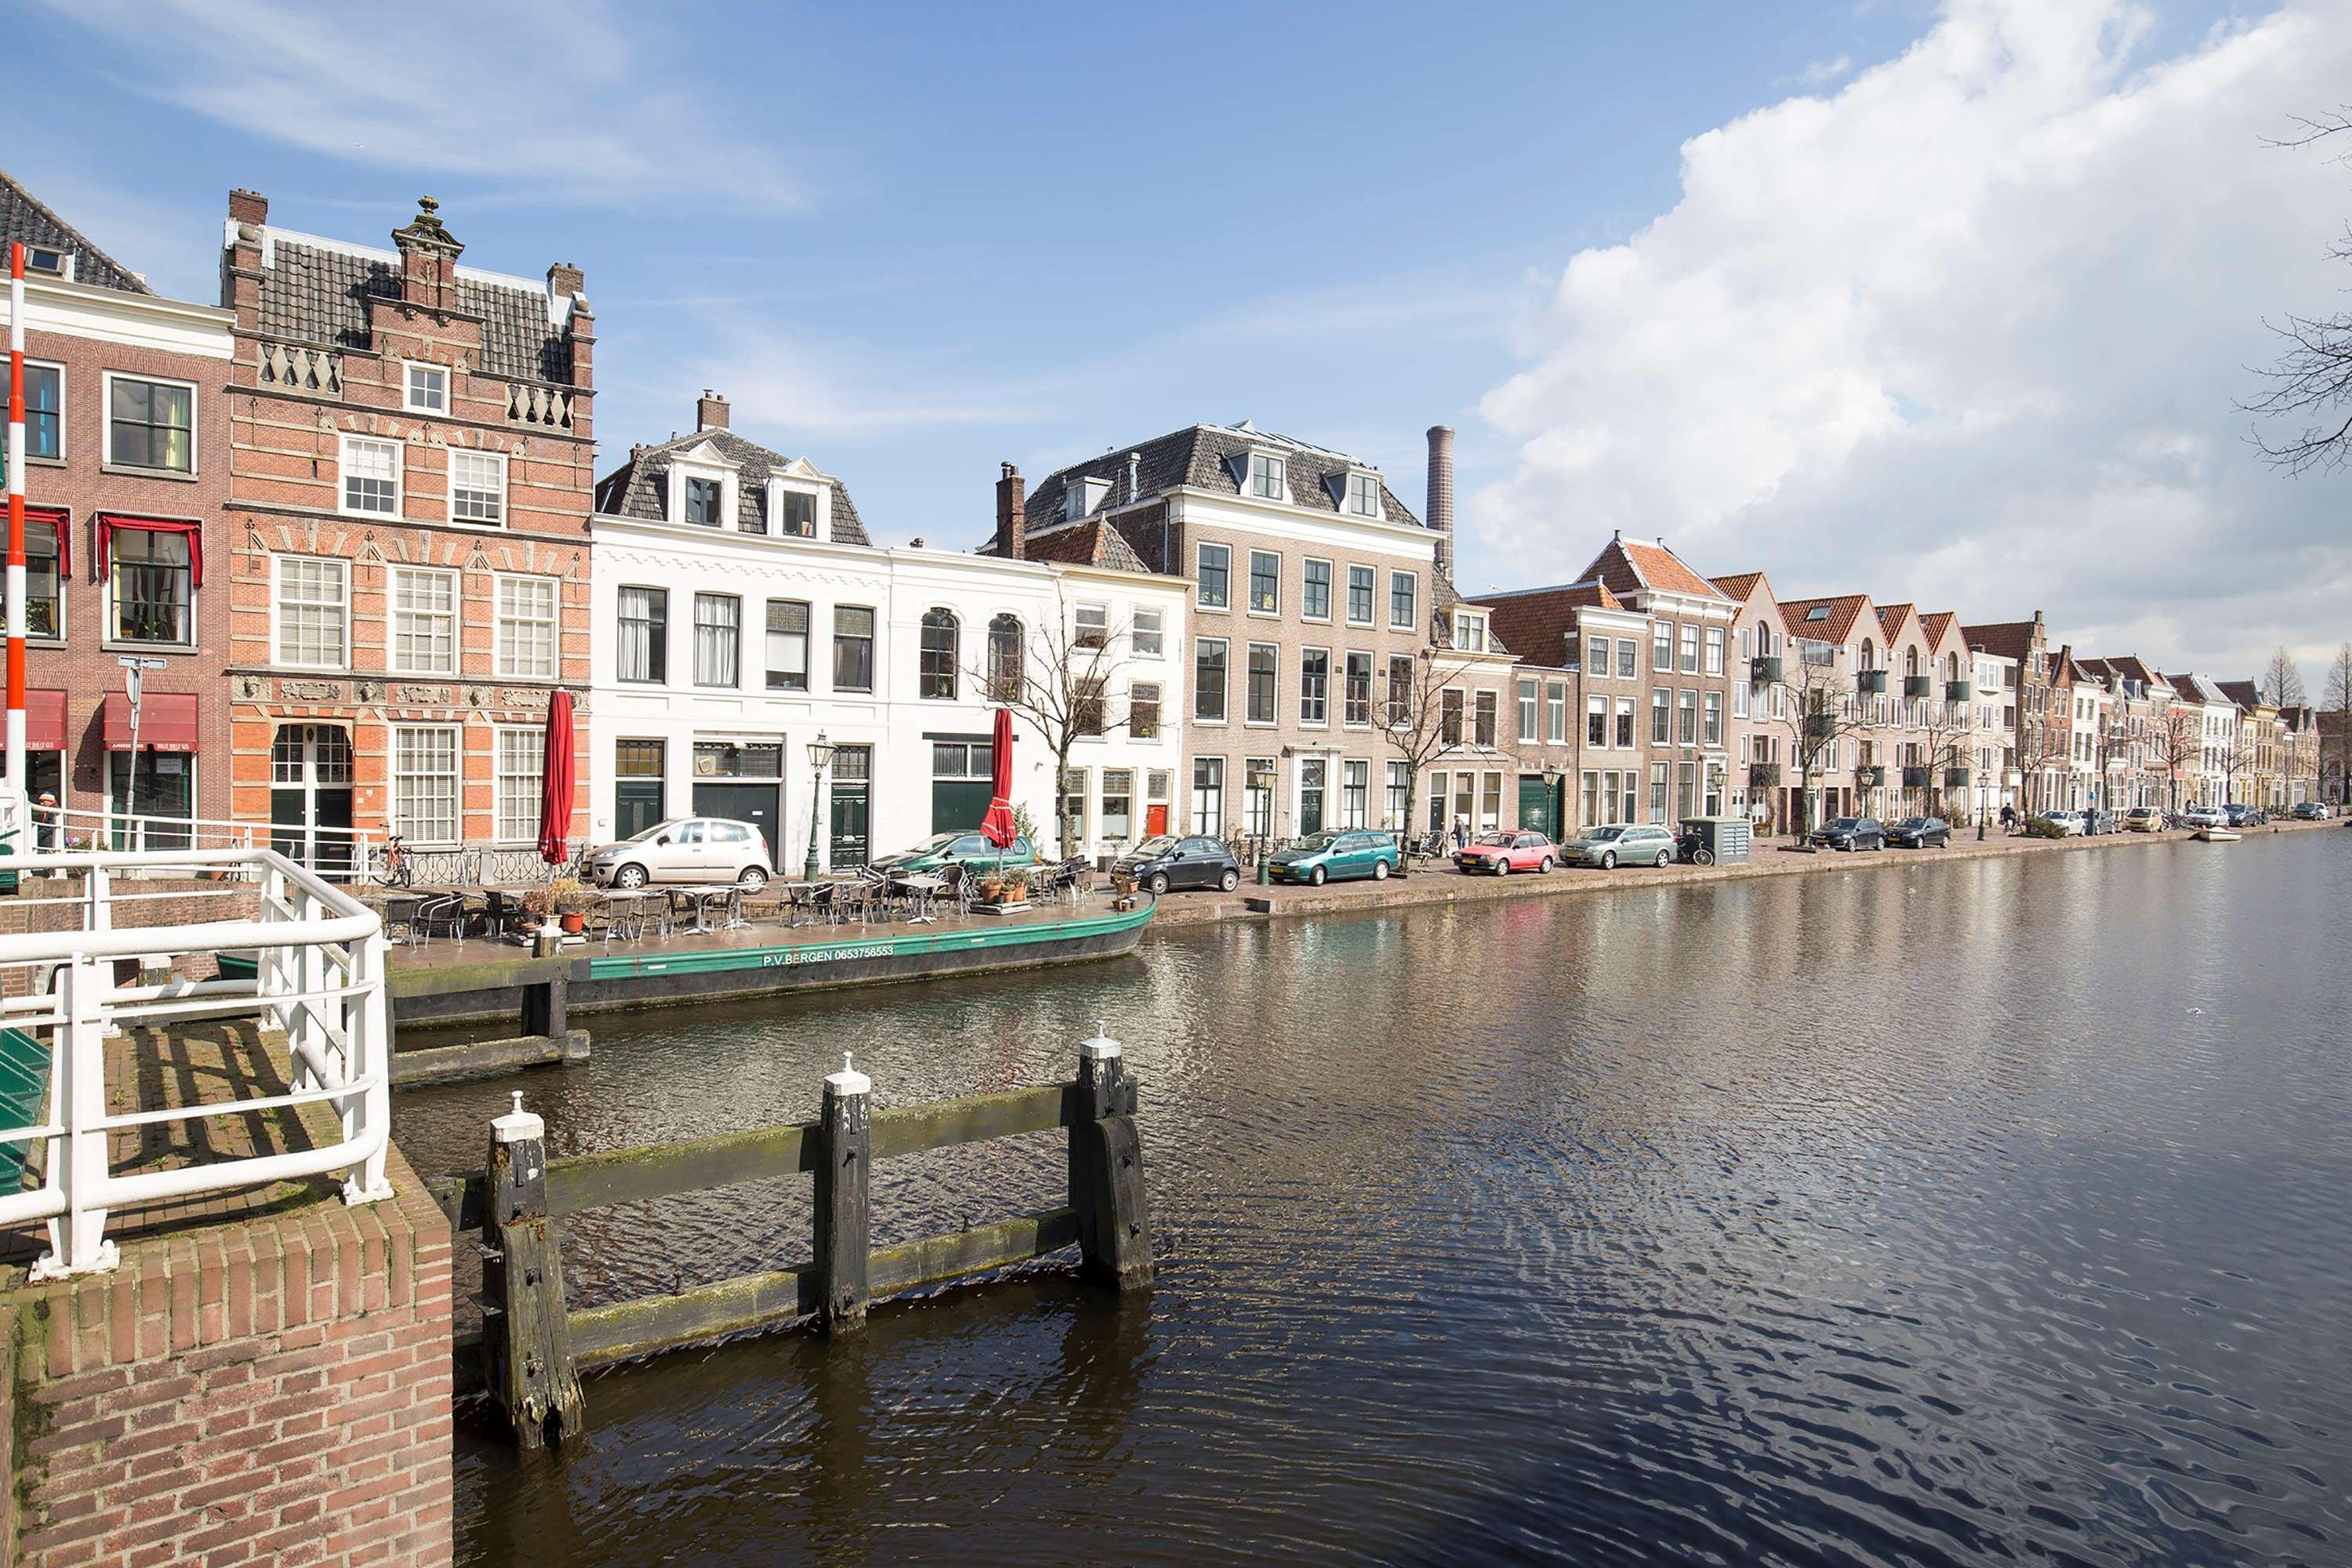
(426, 232)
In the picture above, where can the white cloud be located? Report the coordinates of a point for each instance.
(1967, 330)
(547, 101)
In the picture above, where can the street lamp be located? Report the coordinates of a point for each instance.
(820, 753)
(1551, 797)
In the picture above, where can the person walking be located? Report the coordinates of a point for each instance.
(2008, 817)
(1461, 833)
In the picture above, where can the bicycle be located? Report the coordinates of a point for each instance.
(391, 866)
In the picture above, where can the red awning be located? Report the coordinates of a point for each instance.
(44, 722)
(56, 520)
(167, 722)
(108, 521)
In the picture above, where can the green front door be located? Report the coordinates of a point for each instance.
(1539, 805)
(1311, 795)
(852, 803)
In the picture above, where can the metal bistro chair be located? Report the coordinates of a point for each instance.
(439, 915)
(400, 920)
(956, 897)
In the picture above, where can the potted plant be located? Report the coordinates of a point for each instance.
(535, 907)
(569, 900)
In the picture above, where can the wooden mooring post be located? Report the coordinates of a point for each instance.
(532, 1349)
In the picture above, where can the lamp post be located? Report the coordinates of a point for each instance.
(1551, 798)
(820, 753)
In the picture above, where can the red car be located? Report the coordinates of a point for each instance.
(1503, 853)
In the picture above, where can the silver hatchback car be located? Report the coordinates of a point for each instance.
(1627, 843)
(684, 849)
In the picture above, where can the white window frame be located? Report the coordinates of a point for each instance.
(1080, 630)
(532, 743)
(497, 460)
(408, 399)
(1331, 587)
(503, 649)
(1465, 622)
(1147, 642)
(106, 422)
(730, 501)
(394, 611)
(278, 607)
(1374, 594)
(344, 445)
(1281, 467)
(1200, 556)
(398, 790)
(1364, 493)
(1414, 579)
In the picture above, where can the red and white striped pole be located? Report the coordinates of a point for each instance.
(15, 578)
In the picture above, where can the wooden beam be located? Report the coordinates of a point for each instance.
(911, 1265)
(915, 1129)
(602, 1336)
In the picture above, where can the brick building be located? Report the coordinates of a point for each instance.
(126, 472)
(1759, 703)
(410, 472)
(2042, 734)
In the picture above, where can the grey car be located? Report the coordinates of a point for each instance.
(684, 849)
(1629, 844)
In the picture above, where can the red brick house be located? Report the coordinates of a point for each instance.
(412, 467)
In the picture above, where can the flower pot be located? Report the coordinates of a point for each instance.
(574, 922)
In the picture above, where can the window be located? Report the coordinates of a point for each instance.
(1685, 790)
(1088, 714)
(1264, 583)
(1314, 686)
(853, 648)
(424, 621)
(428, 389)
(1006, 652)
(1715, 650)
(44, 403)
(1436, 803)
(1144, 633)
(1662, 646)
(151, 424)
(1629, 656)
(1490, 803)
(1657, 792)
(1739, 700)
(1625, 723)
(1690, 650)
(424, 784)
(1266, 476)
(1215, 575)
(1596, 655)
(1469, 632)
(718, 640)
(1357, 695)
(43, 585)
(1262, 659)
(1662, 722)
(1118, 805)
(1258, 798)
(526, 633)
(1404, 589)
(1093, 626)
(478, 486)
(1314, 591)
(1449, 716)
(313, 599)
(151, 574)
(1713, 733)
(1073, 806)
(644, 653)
(1209, 796)
(942, 643)
(370, 476)
(1531, 710)
(1392, 809)
(1364, 494)
(1209, 679)
(1143, 710)
(788, 645)
(521, 771)
(1556, 712)
(1355, 794)
(1482, 731)
(1359, 595)
(795, 513)
(1686, 717)
(1596, 722)
(1400, 689)
(706, 502)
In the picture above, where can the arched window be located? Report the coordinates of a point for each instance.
(1951, 666)
(1004, 655)
(942, 646)
(1869, 654)
(1910, 661)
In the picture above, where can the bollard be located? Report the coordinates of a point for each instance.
(1107, 1170)
(843, 1225)
(526, 1332)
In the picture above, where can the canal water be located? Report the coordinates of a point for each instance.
(1971, 1213)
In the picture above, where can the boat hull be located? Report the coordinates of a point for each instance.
(2215, 836)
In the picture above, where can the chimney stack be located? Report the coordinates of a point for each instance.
(249, 206)
(1134, 476)
(1440, 510)
(710, 411)
(565, 281)
(1012, 513)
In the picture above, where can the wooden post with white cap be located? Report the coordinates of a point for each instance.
(845, 1230)
(526, 1330)
(1107, 1170)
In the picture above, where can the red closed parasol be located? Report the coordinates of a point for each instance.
(997, 825)
(555, 786)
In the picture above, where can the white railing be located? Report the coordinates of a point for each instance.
(320, 978)
(342, 854)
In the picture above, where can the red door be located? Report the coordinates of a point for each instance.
(1155, 820)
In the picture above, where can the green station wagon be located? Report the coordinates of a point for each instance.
(972, 849)
(1335, 856)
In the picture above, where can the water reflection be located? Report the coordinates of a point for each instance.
(1923, 1214)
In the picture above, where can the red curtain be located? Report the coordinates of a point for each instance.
(193, 533)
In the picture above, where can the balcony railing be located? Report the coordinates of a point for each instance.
(315, 373)
(1820, 726)
(1764, 669)
(1956, 778)
(318, 978)
(1871, 683)
(1915, 778)
(1763, 775)
(1917, 685)
(546, 407)
(1959, 691)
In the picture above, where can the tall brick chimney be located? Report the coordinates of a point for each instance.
(428, 259)
(566, 281)
(1012, 513)
(249, 206)
(711, 411)
(1439, 513)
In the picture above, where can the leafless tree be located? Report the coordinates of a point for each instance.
(2282, 683)
(2309, 388)
(2339, 703)
(1057, 681)
(1421, 725)
(1819, 706)
(2182, 739)
(1945, 732)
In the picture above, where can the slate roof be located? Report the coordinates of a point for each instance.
(1201, 456)
(1834, 626)
(2201, 688)
(2245, 693)
(638, 488)
(2002, 639)
(316, 291)
(1630, 567)
(25, 217)
(1538, 622)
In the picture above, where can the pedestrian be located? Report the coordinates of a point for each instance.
(2008, 817)
(45, 823)
(1461, 832)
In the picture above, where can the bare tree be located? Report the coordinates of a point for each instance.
(2310, 386)
(1423, 715)
(2181, 741)
(2282, 683)
(1945, 732)
(2339, 703)
(1056, 679)
(1818, 708)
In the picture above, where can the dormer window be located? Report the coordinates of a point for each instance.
(704, 500)
(1081, 496)
(795, 513)
(427, 389)
(1364, 495)
(1469, 632)
(50, 261)
(1266, 477)
(1818, 613)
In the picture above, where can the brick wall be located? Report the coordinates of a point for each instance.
(274, 1391)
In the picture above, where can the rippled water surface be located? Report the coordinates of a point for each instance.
(1983, 1212)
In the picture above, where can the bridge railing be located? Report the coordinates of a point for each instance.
(317, 977)
(336, 853)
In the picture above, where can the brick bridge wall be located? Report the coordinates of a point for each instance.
(270, 1391)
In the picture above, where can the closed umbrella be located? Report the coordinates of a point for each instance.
(555, 786)
(997, 825)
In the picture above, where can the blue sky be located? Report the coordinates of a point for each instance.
(913, 241)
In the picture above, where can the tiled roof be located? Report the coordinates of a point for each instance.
(1090, 544)
(2200, 688)
(2245, 693)
(636, 489)
(1934, 625)
(1628, 567)
(1537, 622)
(1201, 456)
(316, 291)
(1891, 618)
(2002, 639)
(1739, 586)
(26, 219)
(1834, 626)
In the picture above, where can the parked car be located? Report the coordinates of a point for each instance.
(1633, 844)
(2237, 816)
(2095, 820)
(1503, 853)
(2309, 811)
(967, 848)
(2142, 820)
(1165, 862)
(2206, 816)
(2070, 824)
(1335, 856)
(1851, 833)
(684, 849)
(1920, 833)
